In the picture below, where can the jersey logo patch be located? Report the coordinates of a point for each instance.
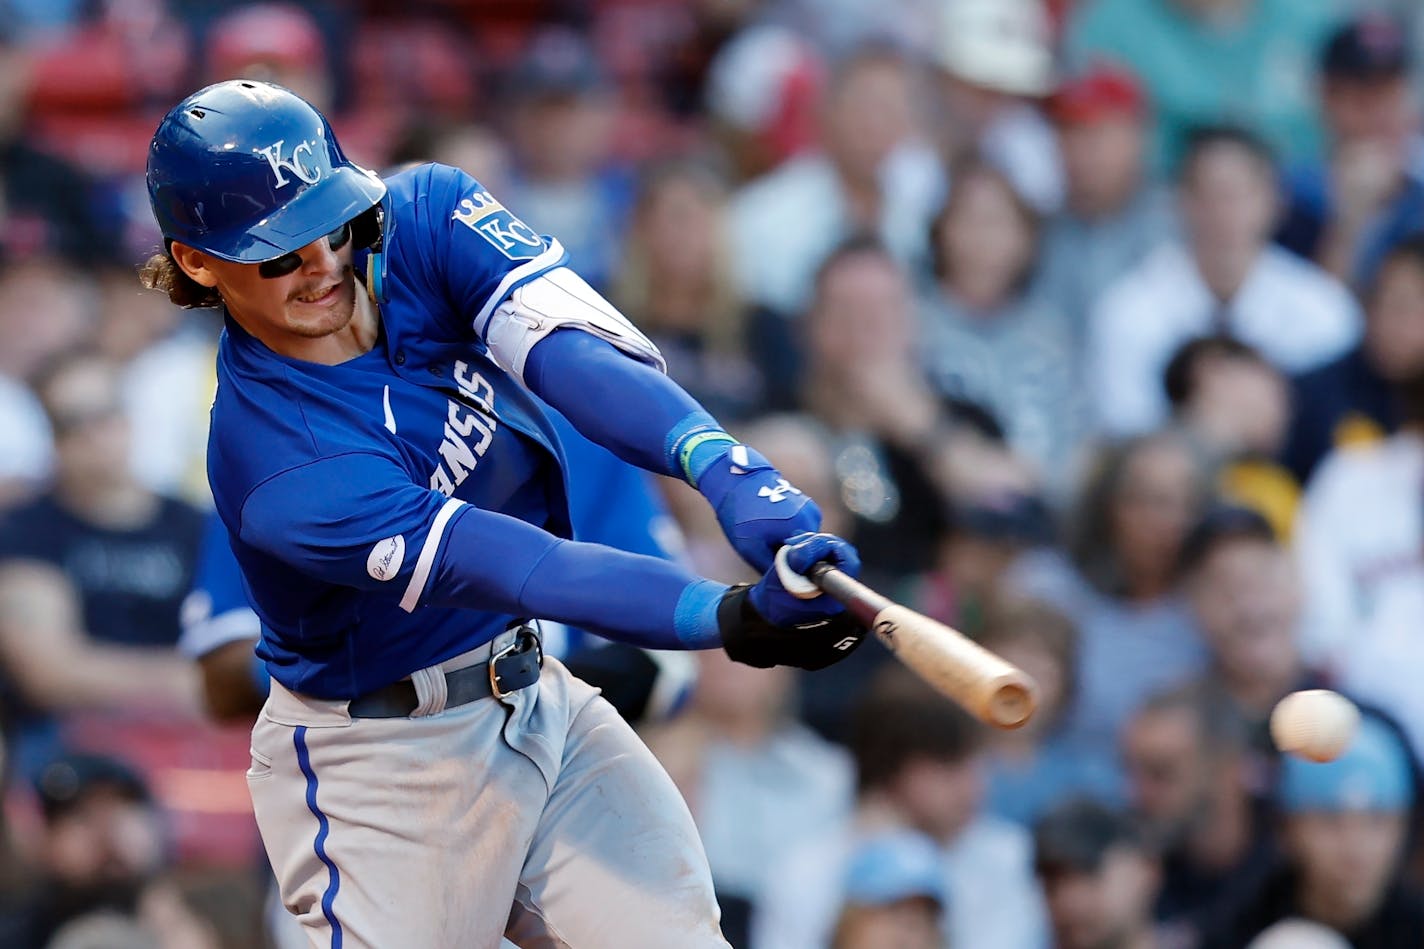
(386, 557)
(488, 218)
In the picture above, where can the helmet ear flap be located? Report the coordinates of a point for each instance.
(366, 228)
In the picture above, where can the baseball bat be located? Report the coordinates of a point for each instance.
(990, 688)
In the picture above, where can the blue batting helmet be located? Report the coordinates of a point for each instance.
(248, 171)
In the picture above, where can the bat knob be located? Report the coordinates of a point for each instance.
(803, 588)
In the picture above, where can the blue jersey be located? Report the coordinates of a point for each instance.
(350, 474)
(610, 502)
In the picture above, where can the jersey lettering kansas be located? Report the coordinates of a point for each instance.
(338, 483)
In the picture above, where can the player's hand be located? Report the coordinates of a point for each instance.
(769, 597)
(764, 625)
(758, 509)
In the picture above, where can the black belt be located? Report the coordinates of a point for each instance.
(512, 668)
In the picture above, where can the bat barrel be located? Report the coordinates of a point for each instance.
(1010, 703)
(992, 689)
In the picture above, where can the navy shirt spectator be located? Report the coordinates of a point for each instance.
(1351, 399)
(1345, 212)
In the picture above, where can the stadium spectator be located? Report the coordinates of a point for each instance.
(918, 766)
(1032, 769)
(1352, 399)
(101, 841)
(1190, 782)
(1246, 597)
(863, 380)
(1113, 211)
(987, 339)
(987, 532)
(758, 783)
(475, 149)
(1343, 832)
(566, 182)
(1099, 875)
(872, 173)
(1369, 192)
(1214, 60)
(1226, 278)
(1360, 539)
(994, 59)
(92, 573)
(675, 282)
(1235, 408)
(45, 309)
(1117, 582)
(894, 895)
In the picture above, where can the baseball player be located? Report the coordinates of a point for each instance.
(396, 500)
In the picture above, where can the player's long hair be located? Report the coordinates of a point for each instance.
(161, 272)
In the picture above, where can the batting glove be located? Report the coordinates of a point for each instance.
(758, 509)
(764, 625)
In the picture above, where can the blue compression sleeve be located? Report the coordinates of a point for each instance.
(492, 561)
(624, 405)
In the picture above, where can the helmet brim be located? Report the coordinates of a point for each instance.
(319, 210)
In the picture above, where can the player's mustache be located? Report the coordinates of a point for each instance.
(346, 271)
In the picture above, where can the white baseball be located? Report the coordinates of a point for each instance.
(1315, 724)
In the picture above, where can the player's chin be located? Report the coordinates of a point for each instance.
(326, 313)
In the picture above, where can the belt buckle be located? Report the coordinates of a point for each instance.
(519, 643)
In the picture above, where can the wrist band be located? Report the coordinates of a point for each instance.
(692, 468)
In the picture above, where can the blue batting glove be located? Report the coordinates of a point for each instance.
(758, 509)
(778, 607)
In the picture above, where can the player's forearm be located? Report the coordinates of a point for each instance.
(625, 405)
(499, 564)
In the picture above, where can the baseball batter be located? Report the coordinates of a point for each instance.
(397, 502)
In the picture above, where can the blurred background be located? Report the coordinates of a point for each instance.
(1097, 325)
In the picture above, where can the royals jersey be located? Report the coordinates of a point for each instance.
(337, 483)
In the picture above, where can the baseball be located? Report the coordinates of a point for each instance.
(1315, 724)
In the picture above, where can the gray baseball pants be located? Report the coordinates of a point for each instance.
(540, 817)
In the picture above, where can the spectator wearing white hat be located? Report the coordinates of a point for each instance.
(995, 58)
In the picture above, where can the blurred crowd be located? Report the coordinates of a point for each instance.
(1098, 325)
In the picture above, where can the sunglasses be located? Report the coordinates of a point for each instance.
(290, 263)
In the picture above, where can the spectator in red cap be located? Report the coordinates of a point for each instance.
(278, 42)
(1346, 210)
(286, 44)
(1112, 213)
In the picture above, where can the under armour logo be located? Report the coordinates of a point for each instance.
(778, 491)
(297, 164)
(847, 643)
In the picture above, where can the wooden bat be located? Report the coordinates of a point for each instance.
(991, 689)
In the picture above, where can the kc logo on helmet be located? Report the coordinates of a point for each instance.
(298, 164)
